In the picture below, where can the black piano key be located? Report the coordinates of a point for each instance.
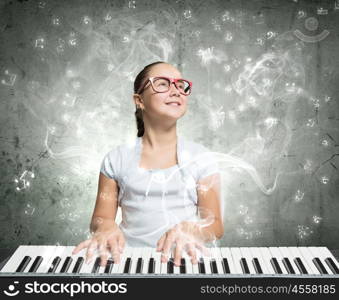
(275, 265)
(139, 265)
(66, 264)
(319, 265)
(332, 265)
(23, 264)
(288, 265)
(226, 266)
(214, 267)
(109, 266)
(170, 266)
(201, 266)
(183, 266)
(300, 265)
(151, 266)
(244, 266)
(96, 265)
(127, 265)
(55, 263)
(257, 266)
(36, 264)
(78, 265)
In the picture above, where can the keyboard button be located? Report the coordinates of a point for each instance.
(183, 266)
(36, 264)
(55, 263)
(109, 266)
(317, 262)
(257, 266)
(139, 265)
(127, 265)
(201, 266)
(78, 265)
(151, 266)
(276, 266)
(332, 265)
(288, 265)
(300, 265)
(244, 266)
(22, 266)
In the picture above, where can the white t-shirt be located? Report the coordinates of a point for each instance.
(152, 201)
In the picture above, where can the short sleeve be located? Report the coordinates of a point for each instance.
(206, 163)
(109, 164)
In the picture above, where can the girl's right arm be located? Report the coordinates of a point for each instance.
(106, 234)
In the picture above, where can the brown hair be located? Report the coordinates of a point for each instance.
(138, 82)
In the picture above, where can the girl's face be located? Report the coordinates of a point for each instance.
(167, 105)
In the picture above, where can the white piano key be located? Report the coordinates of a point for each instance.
(226, 253)
(146, 255)
(286, 253)
(307, 255)
(216, 255)
(266, 258)
(296, 253)
(236, 255)
(176, 270)
(206, 259)
(246, 253)
(163, 267)
(135, 256)
(275, 252)
(115, 268)
(157, 260)
(15, 260)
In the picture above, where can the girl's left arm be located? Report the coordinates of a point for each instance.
(210, 208)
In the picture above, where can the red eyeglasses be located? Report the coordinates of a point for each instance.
(163, 84)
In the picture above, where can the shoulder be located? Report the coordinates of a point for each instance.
(193, 148)
(122, 150)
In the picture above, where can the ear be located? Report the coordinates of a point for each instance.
(139, 102)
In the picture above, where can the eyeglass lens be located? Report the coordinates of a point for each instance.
(163, 85)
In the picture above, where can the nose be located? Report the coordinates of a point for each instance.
(175, 89)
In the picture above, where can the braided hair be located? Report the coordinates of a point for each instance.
(138, 82)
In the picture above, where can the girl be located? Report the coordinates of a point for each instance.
(158, 182)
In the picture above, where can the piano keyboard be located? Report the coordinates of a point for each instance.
(222, 261)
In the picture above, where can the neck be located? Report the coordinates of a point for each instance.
(159, 137)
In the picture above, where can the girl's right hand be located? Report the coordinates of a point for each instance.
(108, 241)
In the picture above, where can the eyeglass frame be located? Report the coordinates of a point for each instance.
(172, 80)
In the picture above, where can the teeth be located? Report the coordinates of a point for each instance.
(173, 103)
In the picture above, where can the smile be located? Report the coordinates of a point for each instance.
(173, 104)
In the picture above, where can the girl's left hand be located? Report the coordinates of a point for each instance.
(185, 237)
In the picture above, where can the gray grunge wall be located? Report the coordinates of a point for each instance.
(265, 97)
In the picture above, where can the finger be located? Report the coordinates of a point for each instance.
(161, 242)
(178, 253)
(205, 251)
(167, 247)
(115, 252)
(81, 246)
(90, 251)
(103, 254)
(192, 253)
(121, 242)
